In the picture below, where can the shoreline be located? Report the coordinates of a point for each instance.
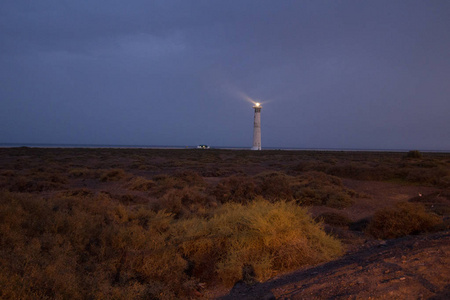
(190, 147)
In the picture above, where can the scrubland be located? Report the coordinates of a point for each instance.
(165, 224)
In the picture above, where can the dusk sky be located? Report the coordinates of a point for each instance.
(330, 74)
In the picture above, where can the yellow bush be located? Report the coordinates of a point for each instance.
(272, 237)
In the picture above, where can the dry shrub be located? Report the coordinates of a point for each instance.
(362, 171)
(317, 188)
(191, 178)
(34, 265)
(113, 175)
(402, 219)
(275, 186)
(83, 173)
(130, 199)
(241, 189)
(163, 183)
(78, 193)
(8, 173)
(414, 154)
(82, 245)
(85, 248)
(24, 184)
(180, 180)
(272, 237)
(311, 188)
(186, 202)
(438, 176)
(31, 181)
(338, 200)
(140, 184)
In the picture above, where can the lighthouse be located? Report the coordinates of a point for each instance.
(257, 127)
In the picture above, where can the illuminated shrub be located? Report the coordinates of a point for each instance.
(272, 237)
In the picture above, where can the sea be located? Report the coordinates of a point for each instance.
(36, 145)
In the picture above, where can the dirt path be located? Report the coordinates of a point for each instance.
(406, 268)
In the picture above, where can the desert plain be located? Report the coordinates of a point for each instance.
(111, 223)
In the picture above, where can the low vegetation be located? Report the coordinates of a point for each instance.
(92, 246)
(272, 237)
(414, 154)
(163, 224)
(403, 219)
(113, 175)
(140, 184)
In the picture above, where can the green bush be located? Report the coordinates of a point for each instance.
(402, 219)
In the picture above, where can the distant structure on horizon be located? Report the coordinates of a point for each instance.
(257, 127)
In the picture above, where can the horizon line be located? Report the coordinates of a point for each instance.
(144, 146)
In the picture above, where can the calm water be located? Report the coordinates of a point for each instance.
(11, 145)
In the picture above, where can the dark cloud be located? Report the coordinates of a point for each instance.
(352, 74)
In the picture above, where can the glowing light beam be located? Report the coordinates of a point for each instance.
(232, 90)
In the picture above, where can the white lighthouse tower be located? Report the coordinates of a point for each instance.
(257, 127)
